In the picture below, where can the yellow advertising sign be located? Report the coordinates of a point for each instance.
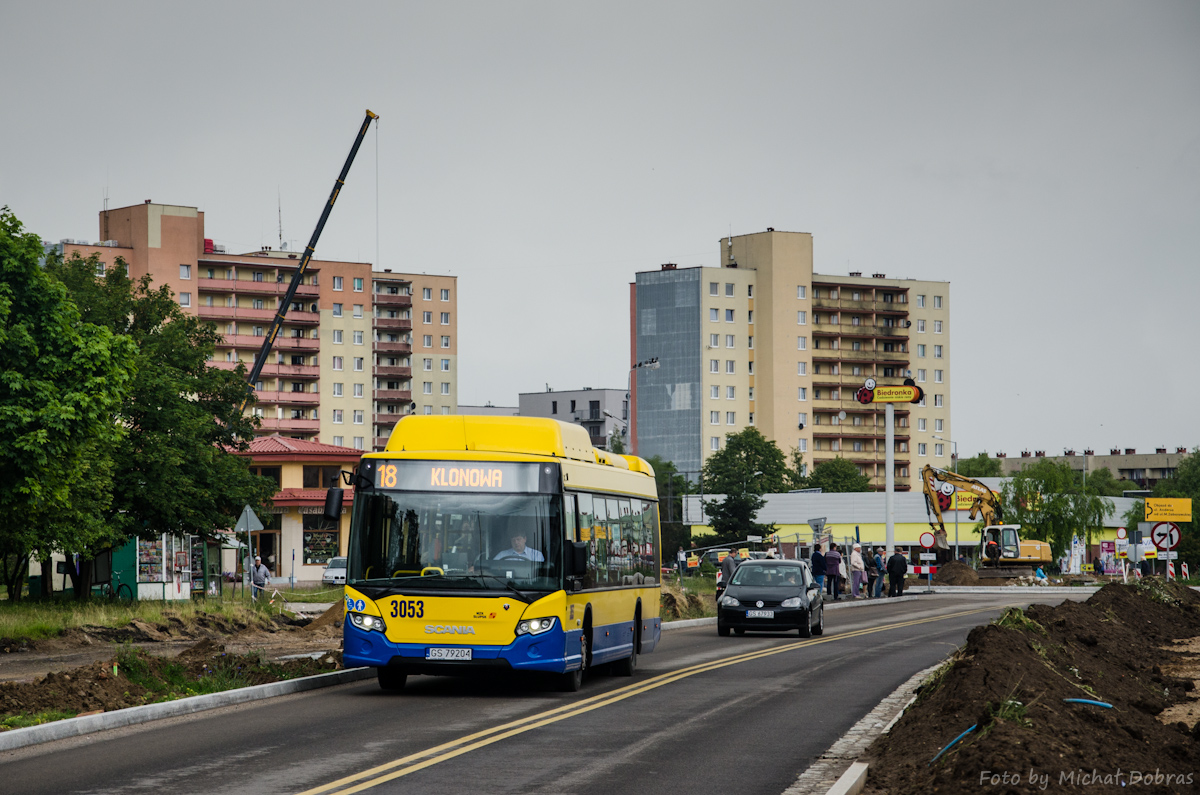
(963, 501)
(693, 562)
(896, 394)
(1149, 553)
(1169, 510)
(744, 553)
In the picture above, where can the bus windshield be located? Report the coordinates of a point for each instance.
(455, 541)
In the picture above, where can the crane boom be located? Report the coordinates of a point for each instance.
(298, 276)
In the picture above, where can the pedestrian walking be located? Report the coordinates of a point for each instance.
(872, 571)
(817, 563)
(260, 578)
(897, 569)
(681, 562)
(728, 567)
(880, 571)
(858, 570)
(833, 570)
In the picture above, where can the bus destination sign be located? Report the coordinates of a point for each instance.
(481, 476)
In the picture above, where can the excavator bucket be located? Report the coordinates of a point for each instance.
(940, 541)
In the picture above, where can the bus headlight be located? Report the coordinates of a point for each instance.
(366, 623)
(729, 601)
(535, 626)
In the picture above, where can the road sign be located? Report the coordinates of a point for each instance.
(753, 539)
(1185, 571)
(248, 522)
(889, 394)
(1169, 510)
(1169, 554)
(1170, 570)
(924, 569)
(1165, 535)
(1149, 553)
(817, 524)
(928, 540)
(1121, 533)
(928, 556)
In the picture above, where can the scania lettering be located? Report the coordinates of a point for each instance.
(508, 542)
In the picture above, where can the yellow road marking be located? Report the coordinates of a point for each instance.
(480, 739)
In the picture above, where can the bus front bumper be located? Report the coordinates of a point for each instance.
(545, 652)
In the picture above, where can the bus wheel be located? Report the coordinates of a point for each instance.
(391, 680)
(571, 681)
(627, 666)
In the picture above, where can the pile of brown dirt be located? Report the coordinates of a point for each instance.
(955, 573)
(330, 619)
(1010, 681)
(146, 678)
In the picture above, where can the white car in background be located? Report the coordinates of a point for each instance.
(335, 572)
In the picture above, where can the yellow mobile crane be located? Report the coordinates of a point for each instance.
(998, 542)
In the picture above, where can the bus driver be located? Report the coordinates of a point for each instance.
(519, 550)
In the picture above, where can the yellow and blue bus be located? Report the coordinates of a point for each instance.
(504, 543)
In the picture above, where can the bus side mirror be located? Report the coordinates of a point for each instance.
(577, 558)
(333, 505)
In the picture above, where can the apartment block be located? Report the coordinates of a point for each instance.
(1125, 463)
(599, 411)
(341, 368)
(762, 340)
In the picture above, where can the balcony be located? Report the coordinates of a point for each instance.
(864, 330)
(390, 395)
(402, 372)
(387, 419)
(398, 323)
(273, 425)
(298, 317)
(283, 397)
(388, 299)
(849, 404)
(236, 313)
(851, 355)
(381, 346)
(250, 287)
(381, 442)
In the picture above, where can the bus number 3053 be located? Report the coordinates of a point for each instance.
(411, 608)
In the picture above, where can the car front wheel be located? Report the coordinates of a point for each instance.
(819, 629)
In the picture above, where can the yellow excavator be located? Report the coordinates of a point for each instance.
(999, 543)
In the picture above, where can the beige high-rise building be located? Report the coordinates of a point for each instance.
(762, 340)
(341, 368)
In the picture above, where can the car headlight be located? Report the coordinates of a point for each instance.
(729, 601)
(793, 602)
(535, 626)
(366, 623)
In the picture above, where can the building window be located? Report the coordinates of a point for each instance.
(801, 368)
(337, 362)
(802, 318)
(337, 416)
(714, 392)
(728, 340)
(801, 291)
(921, 326)
(445, 365)
(750, 343)
(337, 310)
(358, 390)
(714, 340)
(750, 368)
(714, 365)
(427, 340)
(358, 416)
(939, 450)
(802, 418)
(358, 364)
(921, 448)
(937, 426)
(428, 410)
(750, 393)
(185, 299)
(937, 351)
(337, 389)
(729, 366)
(427, 318)
(445, 318)
(358, 443)
(731, 418)
(937, 376)
(445, 295)
(714, 443)
(553, 406)
(728, 315)
(426, 293)
(427, 387)
(337, 282)
(358, 284)
(358, 310)
(337, 441)
(937, 327)
(714, 315)
(802, 445)
(731, 393)
(185, 271)
(920, 302)
(920, 376)
(937, 401)
(445, 409)
(803, 393)
(750, 317)
(358, 338)
(937, 302)
(920, 423)
(714, 418)
(920, 351)
(729, 289)
(713, 288)
(337, 336)
(801, 343)
(445, 341)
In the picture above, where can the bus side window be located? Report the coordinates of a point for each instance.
(570, 527)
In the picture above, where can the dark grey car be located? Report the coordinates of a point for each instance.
(771, 596)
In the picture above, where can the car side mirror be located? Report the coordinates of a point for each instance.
(333, 505)
(577, 558)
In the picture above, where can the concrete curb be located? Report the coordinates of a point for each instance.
(703, 622)
(852, 782)
(74, 727)
(1014, 589)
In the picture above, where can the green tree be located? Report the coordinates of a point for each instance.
(175, 469)
(748, 466)
(796, 476)
(616, 443)
(838, 475)
(1184, 483)
(981, 466)
(62, 380)
(1102, 483)
(1048, 501)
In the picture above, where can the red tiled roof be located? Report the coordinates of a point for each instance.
(309, 496)
(276, 445)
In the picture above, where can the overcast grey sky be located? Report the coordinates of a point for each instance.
(1043, 157)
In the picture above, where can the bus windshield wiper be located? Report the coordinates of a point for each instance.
(524, 597)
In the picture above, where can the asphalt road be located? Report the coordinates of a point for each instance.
(702, 715)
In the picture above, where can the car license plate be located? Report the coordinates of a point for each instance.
(447, 654)
(760, 614)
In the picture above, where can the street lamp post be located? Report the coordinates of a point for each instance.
(648, 364)
(954, 452)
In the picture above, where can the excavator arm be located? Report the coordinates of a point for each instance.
(940, 498)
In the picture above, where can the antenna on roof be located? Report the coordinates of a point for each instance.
(279, 204)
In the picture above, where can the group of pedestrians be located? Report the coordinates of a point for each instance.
(866, 571)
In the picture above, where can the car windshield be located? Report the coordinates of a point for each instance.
(337, 563)
(455, 541)
(768, 576)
